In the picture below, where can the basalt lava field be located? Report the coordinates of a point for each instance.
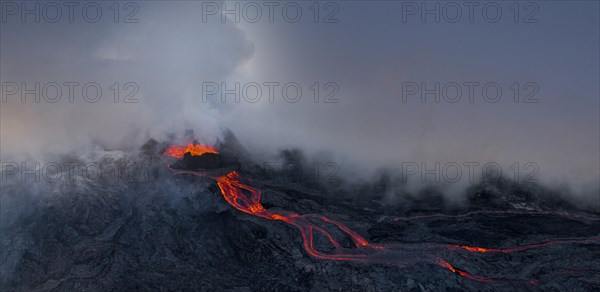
(190, 218)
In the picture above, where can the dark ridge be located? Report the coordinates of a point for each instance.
(508, 194)
(204, 161)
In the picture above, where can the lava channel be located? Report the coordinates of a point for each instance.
(247, 199)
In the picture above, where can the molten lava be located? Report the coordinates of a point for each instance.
(194, 149)
(476, 249)
(247, 199)
(462, 273)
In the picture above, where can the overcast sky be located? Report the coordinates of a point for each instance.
(364, 53)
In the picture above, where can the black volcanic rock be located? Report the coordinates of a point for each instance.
(150, 147)
(204, 161)
(232, 150)
(507, 194)
(177, 233)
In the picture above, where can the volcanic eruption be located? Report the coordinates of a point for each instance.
(192, 149)
(403, 146)
(242, 196)
(211, 217)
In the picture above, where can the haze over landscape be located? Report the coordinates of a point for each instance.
(382, 121)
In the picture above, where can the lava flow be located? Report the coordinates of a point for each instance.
(247, 199)
(233, 192)
(462, 273)
(194, 149)
(477, 249)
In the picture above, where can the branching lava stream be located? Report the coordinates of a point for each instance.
(247, 199)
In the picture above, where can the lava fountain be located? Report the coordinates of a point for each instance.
(194, 149)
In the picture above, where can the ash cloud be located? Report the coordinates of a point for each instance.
(171, 52)
(371, 53)
(165, 56)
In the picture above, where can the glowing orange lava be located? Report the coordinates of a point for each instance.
(462, 273)
(477, 249)
(194, 149)
(247, 199)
